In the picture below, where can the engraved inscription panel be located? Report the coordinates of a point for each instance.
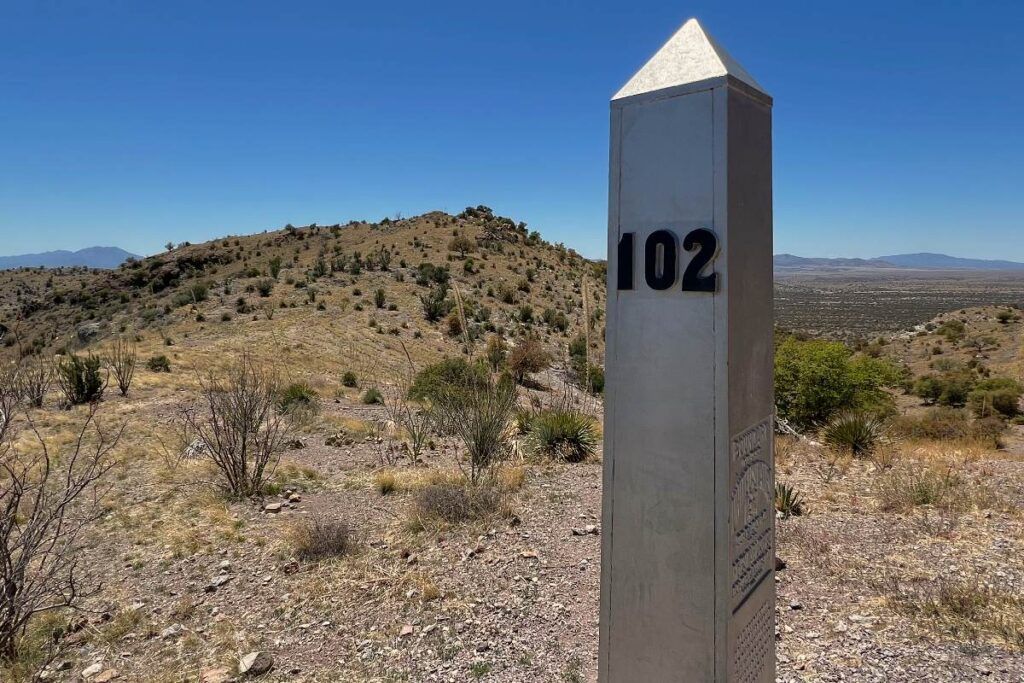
(752, 511)
(753, 646)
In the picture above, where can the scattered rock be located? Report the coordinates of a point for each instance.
(195, 450)
(407, 630)
(338, 440)
(255, 664)
(214, 676)
(172, 632)
(87, 332)
(93, 670)
(780, 564)
(217, 582)
(272, 508)
(588, 530)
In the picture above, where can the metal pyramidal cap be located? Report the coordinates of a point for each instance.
(689, 56)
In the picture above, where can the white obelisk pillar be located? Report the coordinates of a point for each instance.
(687, 582)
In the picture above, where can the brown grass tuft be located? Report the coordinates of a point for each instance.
(317, 539)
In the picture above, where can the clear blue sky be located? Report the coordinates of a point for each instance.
(899, 126)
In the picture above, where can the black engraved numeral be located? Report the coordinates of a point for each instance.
(661, 255)
(707, 244)
(660, 275)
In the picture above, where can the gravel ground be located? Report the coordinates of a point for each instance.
(193, 582)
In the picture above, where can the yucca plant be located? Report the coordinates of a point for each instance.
(299, 397)
(788, 502)
(564, 433)
(856, 433)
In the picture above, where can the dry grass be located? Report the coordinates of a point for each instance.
(453, 503)
(965, 609)
(317, 538)
(941, 485)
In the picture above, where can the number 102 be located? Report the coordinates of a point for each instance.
(661, 255)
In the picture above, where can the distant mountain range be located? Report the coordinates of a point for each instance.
(91, 257)
(914, 261)
(112, 257)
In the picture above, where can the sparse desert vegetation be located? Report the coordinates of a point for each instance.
(372, 451)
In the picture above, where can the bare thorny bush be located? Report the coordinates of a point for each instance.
(47, 501)
(32, 380)
(239, 425)
(411, 420)
(122, 359)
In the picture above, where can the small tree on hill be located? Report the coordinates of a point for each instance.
(527, 358)
(461, 244)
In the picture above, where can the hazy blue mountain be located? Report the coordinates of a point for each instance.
(926, 260)
(91, 257)
(922, 260)
(791, 261)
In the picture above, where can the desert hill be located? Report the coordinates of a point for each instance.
(319, 292)
(361, 559)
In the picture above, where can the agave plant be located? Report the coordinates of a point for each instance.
(856, 433)
(788, 501)
(564, 433)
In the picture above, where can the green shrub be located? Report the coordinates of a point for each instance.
(380, 298)
(854, 432)
(564, 434)
(816, 379)
(950, 388)
(427, 273)
(479, 416)
(595, 379)
(447, 375)
(265, 287)
(788, 502)
(372, 396)
(80, 378)
(496, 352)
(1005, 316)
(952, 330)
(435, 303)
(192, 294)
(159, 363)
(349, 379)
(298, 396)
(996, 396)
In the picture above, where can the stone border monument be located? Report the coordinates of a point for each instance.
(688, 555)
